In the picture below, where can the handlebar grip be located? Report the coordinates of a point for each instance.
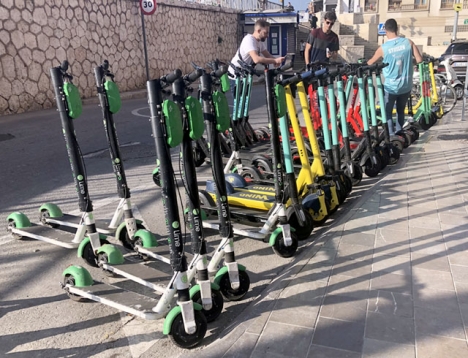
(296, 78)
(171, 77)
(220, 71)
(192, 77)
(105, 65)
(286, 66)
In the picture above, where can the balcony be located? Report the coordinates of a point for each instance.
(398, 7)
(372, 7)
(448, 4)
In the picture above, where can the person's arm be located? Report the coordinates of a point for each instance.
(377, 55)
(267, 60)
(416, 53)
(308, 46)
(307, 53)
(334, 48)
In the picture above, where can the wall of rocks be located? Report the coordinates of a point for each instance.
(38, 34)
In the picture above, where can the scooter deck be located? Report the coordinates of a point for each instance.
(69, 220)
(142, 274)
(161, 253)
(246, 215)
(127, 301)
(247, 200)
(48, 234)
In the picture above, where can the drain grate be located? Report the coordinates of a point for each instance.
(454, 137)
(4, 137)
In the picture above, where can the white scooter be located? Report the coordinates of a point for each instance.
(452, 77)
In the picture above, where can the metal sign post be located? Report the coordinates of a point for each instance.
(148, 7)
(465, 88)
(457, 7)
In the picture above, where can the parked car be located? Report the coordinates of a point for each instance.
(458, 52)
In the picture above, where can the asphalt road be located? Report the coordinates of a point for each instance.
(37, 319)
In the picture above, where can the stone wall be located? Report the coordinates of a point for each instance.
(38, 34)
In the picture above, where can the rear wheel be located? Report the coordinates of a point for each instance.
(372, 169)
(447, 97)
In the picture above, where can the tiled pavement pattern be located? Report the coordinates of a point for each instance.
(388, 280)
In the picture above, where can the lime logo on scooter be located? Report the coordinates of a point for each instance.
(81, 184)
(176, 226)
(117, 168)
(184, 278)
(196, 219)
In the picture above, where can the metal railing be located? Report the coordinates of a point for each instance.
(240, 4)
(406, 7)
(447, 4)
(370, 7)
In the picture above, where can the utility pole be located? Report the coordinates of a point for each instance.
(457, 7)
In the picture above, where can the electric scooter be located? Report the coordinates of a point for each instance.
(185, 323)
(51, 214)
(281, 236)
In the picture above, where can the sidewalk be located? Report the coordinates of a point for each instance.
(390, 279)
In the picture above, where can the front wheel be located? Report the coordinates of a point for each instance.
(372, 169)
(217, 304)
(231, 294)
(447, 98)
(285, 251)
(89, 255)
(394, 154)
(181, 338)
(70, 280)
(302, 232)
(126, 240)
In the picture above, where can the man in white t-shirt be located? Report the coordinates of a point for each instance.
(253, 49)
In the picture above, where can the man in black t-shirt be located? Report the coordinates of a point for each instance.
(322, 43)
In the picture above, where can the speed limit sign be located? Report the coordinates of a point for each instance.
(148, 7)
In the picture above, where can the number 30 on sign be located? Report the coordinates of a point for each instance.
(148, 7)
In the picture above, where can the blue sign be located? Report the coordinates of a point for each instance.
(381, 29)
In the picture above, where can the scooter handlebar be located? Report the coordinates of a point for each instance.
(220, 71)
(172, 77)
(192, 77)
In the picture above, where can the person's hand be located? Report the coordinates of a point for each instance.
(279, 61)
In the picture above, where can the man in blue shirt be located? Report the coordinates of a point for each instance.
(398, 52)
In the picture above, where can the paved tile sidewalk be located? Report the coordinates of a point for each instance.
(390, 279)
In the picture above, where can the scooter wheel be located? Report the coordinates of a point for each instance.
(394, 154)
(265, 168)
(88, 253)
(198, 156)
(281, 249)
(157, 178)
(422, 123)
(228, 292)
(251, 174)
(397, 144)
(181, 338)
(43, 216)
(104, 259)
(415, 132)
(371, 169)
(70, 280)
(125, 239)
(217, 302)
(384, 155)
(12, 225)
(302, 232)
(406, 137)
(356, 175)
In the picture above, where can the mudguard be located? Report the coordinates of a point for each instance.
(236, 180)
(122, 226)
(223, 270)
(80, 274)
(147, 238)
(53, 209)
(20, 219)
(85, 241)
(114, 256)
(274, 235)
(196, 288)
(173, 314)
